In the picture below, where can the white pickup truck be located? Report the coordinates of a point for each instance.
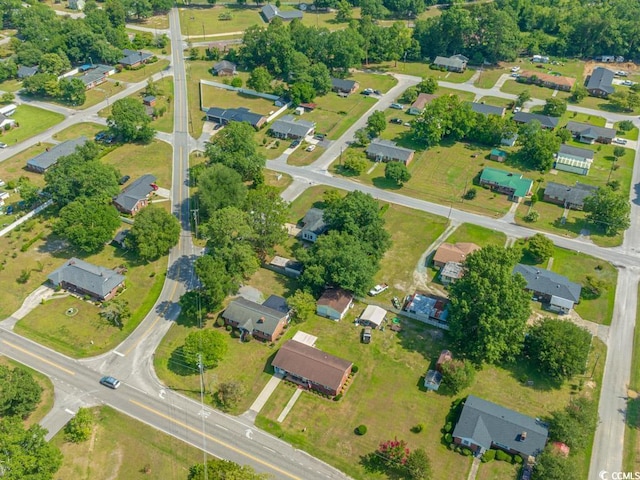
(378, 289)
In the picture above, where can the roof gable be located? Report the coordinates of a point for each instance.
(335, 298)
(313, 221)
(601, 79)
(454, 252)
(343, 84)
(548, 283)
(564, 193)
(253, 316)
(590, 131)
(288, 125)
(136, 191)
(521, 186)
(485, 109)
(545, 120)
(91, 278)
(51, 156)
(389, 149)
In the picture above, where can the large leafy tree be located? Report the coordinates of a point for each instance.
(129, 121)
(267, 214)
(537, 146)
(207, 346)
(227, 226)
(444, 117)
(609, 210)
(552, 466)
(24, 453)
(539, 247)
(575, 424)
(220, 186)
(418, 465)
(397, 172)
(224, 470)
(260, 80)
(236, 147)
(154, 232)
(87, 223)
(216, 283)
(376, 123)
(558, 348)
(19, 392)
(489, 306)
(303, 305)
(555, 107)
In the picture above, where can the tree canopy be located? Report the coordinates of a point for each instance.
(224, 470)
(154, 232)
(219, 186)
(129, 121)
(19, 392)
(397, 172)
(489, 306)
(236, 148)
(206, 345)
(87, 223)
(266, 215)
(539, 247)
(608, 210)
(537, 146)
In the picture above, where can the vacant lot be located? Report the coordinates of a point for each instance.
(384, 83)
(478, 235)
(221, 98)
(422, 69)
(101, 93)
(89, 130)
(275, 179)
(121, 447)
(511, 86)
(135, 160)
(134, 76)
(334, 114)
(31, 121)
(196, 70)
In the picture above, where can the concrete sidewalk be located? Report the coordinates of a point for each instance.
(265, 393)
(290, 404)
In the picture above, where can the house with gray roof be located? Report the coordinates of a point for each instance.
(546, 121)
(387, 151)
(269, 12)
(87, 279)
(290, 127)
(26, 72)
(600, 82)
(487, 110)
(134, 58)
(586, 133)
(95, 75)
(574, 159)
(454, 63)
(262, 321)
(47, 159)
(313, 225)
(483, 425)
(224, 68)
(554, 291)
(567, 196)
(76, 4)
(135, 196)
(344, 86)
(225, 116)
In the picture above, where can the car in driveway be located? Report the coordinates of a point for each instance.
(397, 121)
(310, 148)
(377, 92)
(619, 141)
(397, 106)
(515, 69)
(294, 144)
(110, 382)
(367, 91)
(124, 180)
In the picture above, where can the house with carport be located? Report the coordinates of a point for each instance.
(512, 184)
(566, 196)
(454, 63)
(586, 133)
(574, 159)
(288, 127)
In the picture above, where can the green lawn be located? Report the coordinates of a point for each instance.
(489, 76)
(11, 85)
(121, 447)
(302, 158)
(31, 121)
(136, 160)
(219, 97)
(14, 167)
(334, 114)
(311, 197)
(87, 129)
(579, 117)
(463, 95)
(497, 101)
(631, 134)
(511, 86)
(194, 21)
(135, 76)
(384, 83)
(325, 19)
(422, 69)
(101, 93)
(631, 461)
(478, 235)
(196, 70)
(276, 179)
(497, 470)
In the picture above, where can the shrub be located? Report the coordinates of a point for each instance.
(532, 216)
(361, 429)
(488, 456)
(220, 322)
(625, 125)
(466, 451)
(354, 369)
(470, 194)
(417, 428)
(448, 438)
(503, 456)
(517, 459)
(448, 427)
(337, 397)
(229, 328)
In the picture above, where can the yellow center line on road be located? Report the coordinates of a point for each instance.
(215, 440)
(42, 359)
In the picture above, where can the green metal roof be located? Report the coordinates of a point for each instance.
(498, 152)
(521, 186)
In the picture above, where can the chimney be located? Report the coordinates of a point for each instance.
(523, 436)
(261, 320)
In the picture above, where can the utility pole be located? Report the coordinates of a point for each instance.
(194, 212)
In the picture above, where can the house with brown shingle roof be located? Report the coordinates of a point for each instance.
(453, 252)
(311, 368)
(421, 102)
(334, 303)
(556, 82)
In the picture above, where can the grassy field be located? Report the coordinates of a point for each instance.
(497, 101)
(631, 134)
(384, 83)
(154, 158)
(311, 197)
(134, 76)
(302, 158)
(511, 86)
(334, 114)
(14, 167)
(420, 69)
(46, 400)
(196, 70)
(31, 121)
(101, 93)
(121, 447)
(275, 179)
(478, 235)
(631, 460)
(219, 97)
(489, 76)
(87, 129)
(11, 85)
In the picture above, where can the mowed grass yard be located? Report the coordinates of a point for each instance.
(31, 121)
(632, 429)
(100, 93)
(134, 76)
(87, 129)
(334, 115)
(420, 69)
(197, 70)
(511, 86)
(481, 236)
(136, 160)
(219, 97)
(14, 167)
(121, 447)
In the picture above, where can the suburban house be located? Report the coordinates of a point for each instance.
(149, 100)
(8, 110)
(387, 151)
(545, 120)
(76, 4)
(269, 12)
(334, 303)
(540, 59)
(94, 75)
(135, 196)
(47, 159)
(421, 102)
(609, 58)
(373, 316)
(312, 368)
(512, 184)
(585, 133)
(120, 239)
(313, 224)
(289, 127)
(574, 159)
(487, 110)
(600, 82)
(224, 116)
(566, 196)
(6, 122)
(509, 141)
(556, 82)
(453, 252)
(483, 425)
(84, 278)
(286, 266)
(343, 86)
(454, 63)
(224, 68)
(451, 272)
(264, 321)
(427, 307)
(26, 72)
(498, 155)
(134, 58)
(555, 291)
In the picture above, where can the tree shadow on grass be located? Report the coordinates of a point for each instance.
(386, 184)
(178, 365)
(632, 414)
(525, 373)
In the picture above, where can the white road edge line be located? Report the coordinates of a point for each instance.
(118, 353)
(70, 412)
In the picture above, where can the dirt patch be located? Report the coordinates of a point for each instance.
(629, 67)
(115, 460)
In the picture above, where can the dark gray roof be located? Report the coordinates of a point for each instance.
(576, 151)
(548, 283)
(95, 73)
(149, 98)
(91, 278)
(253, 316)
(275, 302)
(590, 131)
(574, 195)
(486, 109)
(134, 192)
(121, 236)
(49, 158)
(224, 65)
(388, 149)
(131, 57)
(342, 84)
(601, 79)
(241, 114)
(288, 125)
(313, 221)
(455, 61)
(271, 11)
(545, 120)
(486, 423)
(24, 72)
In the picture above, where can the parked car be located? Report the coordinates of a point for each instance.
(627, 83)
(396, 303)
(397, 106)
(397, 121)
(110, 382)
(378, 289)
(310, 148)
(515, 69)
(406, 124)
(217, 126)
(377, 92)
(295, 143)
(3, 145)
(620, 73)
(619, 141)
(124, 180)
(319, 136)
(515, 75)
(366, 335)
(516, 110)
(9, 209)
(367, 91)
